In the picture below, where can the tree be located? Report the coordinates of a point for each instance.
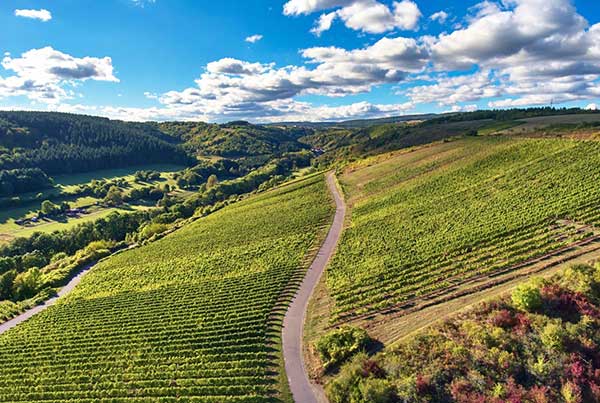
(6, 284)
(212, 181)
(114, 197)
(26, 284)
(49, 208)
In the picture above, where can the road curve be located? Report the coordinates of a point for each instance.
(302, 389)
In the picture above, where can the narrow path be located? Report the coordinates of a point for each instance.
(9, 324)
(302, 389)
(39, 308)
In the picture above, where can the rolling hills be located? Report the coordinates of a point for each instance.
(192, 316)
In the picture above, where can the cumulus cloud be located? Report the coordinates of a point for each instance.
(592, 107)
(42, 14)
(440, 16)
(253, 38)
(324, 23)
(272, 112)
(452, 90)
(505, 53)
(370, 16)
(540, 52)
(235, 87)
(42, 74)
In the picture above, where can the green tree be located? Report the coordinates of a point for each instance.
(49, 208)
(114, 197)
(26, 284)
(6, 284)
(212, 181)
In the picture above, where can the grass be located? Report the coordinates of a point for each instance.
(190, 317)
(425, 220)
(86, 177)
(66, 183)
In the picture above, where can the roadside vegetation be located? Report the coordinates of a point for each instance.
(538, 344)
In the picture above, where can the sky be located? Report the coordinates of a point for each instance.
(293, 60)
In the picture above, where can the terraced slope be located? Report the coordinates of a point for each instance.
(423, 222)
(187, 318)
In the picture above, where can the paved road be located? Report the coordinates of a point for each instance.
(302, 389)
(37, 309)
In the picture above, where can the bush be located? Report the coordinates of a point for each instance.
(527, 297)
(340, 344)
(376, 390)
(152, 229)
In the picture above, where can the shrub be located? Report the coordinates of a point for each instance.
(552, 336)
(376, 390)
(152, 229)
(340, 344)
(527, 297)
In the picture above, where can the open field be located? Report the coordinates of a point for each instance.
(10, 230)
(86, 177)
(427, 220)
(189, 317)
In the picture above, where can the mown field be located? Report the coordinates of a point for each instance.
(186, 318)
(425, 220)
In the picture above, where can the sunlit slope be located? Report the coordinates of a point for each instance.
(427, 219)
(185, 317)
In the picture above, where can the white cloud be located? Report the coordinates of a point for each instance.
(506, 53)
(592, 107)
(324, 23)
(452, 90)
(370, 16)
(254, 38)
(42, 74)
(275, 112)
(298, 7)
(440, 16)
(42, 15)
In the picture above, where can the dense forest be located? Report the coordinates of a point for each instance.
(236, 139)
(60, 143)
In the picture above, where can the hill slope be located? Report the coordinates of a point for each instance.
(539, 344)
(61, 143)
(186, 317)
(423, 222)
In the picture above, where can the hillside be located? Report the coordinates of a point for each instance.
(60, 143)
(537, 344)
(235, 139)
(192, 316)
(427, 220)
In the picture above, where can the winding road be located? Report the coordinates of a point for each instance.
(302, 389)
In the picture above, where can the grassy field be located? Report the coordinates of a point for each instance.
(191, 317)
(82, 178)
(10, 230)
(423, 221)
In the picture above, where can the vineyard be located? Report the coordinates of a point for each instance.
(428, 219)
(186, 318)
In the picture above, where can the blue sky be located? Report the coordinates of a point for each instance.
(308, 60)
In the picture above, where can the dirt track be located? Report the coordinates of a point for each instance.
(302, 389)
